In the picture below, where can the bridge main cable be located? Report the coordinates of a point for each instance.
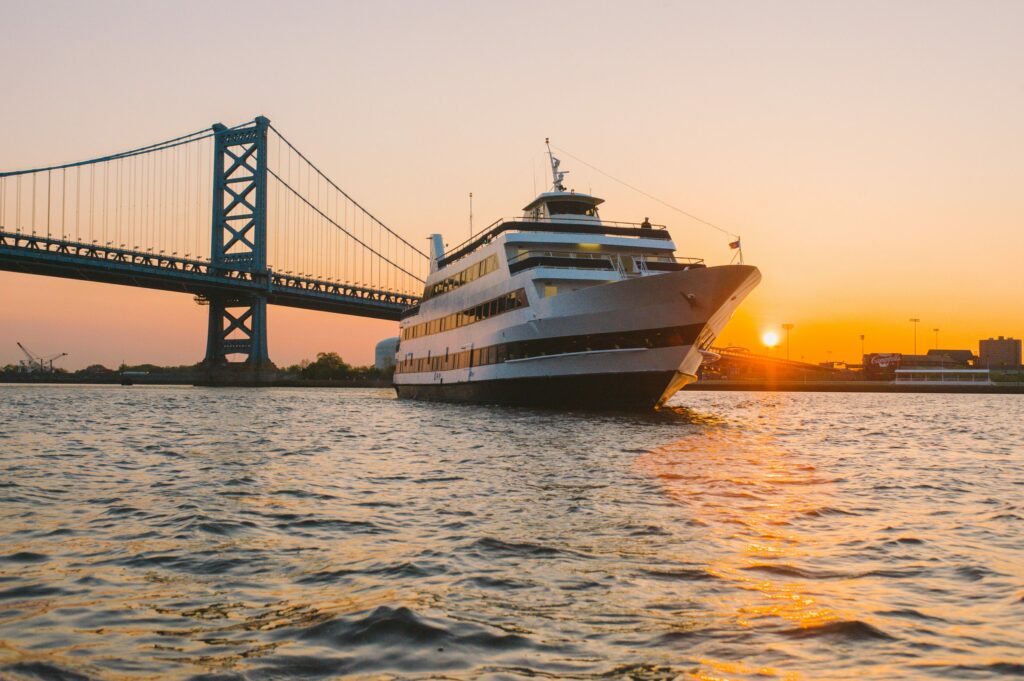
(347, 196)
(159, 146)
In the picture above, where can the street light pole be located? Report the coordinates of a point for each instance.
(914, 321)
(788, 328)
(862, 347)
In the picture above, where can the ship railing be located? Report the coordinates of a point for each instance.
(563, 224)
(622, 263)
(576, 222)
(672, 263)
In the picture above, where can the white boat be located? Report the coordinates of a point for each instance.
(560, 308)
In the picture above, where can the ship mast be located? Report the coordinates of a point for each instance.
(556, 174)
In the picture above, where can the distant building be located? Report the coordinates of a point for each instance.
(384, 358)
(882, 366)
(951, 358)
(999, 353)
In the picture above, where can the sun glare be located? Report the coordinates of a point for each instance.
(770, 339)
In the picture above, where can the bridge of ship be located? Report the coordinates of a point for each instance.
(280, 232)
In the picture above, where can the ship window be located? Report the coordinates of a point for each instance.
(490, 308)
(454, 281)
(571, 208)
(550, 291)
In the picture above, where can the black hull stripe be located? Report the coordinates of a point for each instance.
(666, 337)
(634, 390)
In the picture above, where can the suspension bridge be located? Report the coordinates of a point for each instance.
(236, 217)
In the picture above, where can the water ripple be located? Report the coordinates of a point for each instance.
(328, 533)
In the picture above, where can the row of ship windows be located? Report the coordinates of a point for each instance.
(496, 354)
(472, 273)
(485, 310)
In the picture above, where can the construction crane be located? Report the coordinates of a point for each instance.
(33, 362)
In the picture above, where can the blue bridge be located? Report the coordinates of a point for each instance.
(237, 217)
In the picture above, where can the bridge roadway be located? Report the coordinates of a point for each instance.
(33, 254)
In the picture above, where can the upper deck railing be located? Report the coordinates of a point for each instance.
(559, 226)
(622, 263)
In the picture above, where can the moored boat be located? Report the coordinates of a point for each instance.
(559, 308)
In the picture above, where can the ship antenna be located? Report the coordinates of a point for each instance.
(556, 174)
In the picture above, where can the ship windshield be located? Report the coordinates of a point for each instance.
(571, 208)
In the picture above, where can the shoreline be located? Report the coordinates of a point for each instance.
(705, 385)
(174, 380)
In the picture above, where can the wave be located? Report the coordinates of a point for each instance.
(43, 670)
(683, 574)
(492, 545)
(25, 557)
(852, 630)
(406, 570)
(827, 511)
(798, 572)
(28, 591)
(401, 627)
(786, 570)
(910, 613)
(971, 671)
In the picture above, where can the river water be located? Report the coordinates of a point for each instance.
(181, 533)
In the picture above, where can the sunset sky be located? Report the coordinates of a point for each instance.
(870, 154)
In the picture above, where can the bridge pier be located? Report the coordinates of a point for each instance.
(238, 326)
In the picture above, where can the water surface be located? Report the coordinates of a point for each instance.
(263, 534)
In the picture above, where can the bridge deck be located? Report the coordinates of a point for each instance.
(47, 256)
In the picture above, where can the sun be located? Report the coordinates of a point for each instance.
(770, 339)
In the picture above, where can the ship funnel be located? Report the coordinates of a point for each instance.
(436, 250)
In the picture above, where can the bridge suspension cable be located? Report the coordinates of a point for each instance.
(314, 226)
(156, 200)
(153, 199)
(159, 146)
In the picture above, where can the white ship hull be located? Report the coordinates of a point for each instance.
(624, 344)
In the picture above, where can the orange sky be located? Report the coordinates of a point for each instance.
(870, 154)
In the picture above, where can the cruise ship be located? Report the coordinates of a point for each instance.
(560, 308)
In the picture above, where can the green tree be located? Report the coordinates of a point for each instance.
(328, 366)
(95, 369)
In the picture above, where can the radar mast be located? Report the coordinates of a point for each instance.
(557, 175)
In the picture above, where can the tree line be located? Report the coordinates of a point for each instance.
(328, 366)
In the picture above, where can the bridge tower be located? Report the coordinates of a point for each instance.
(238, 324)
